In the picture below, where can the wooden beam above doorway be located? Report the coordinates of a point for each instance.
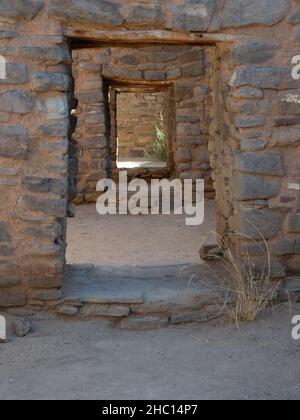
(87, 37)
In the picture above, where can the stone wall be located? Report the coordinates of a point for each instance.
(138, 115)
(255, 140)
(184, 71)
(255, 149)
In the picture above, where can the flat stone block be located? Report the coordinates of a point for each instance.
(12, 297)
(107, 298)
(238, 13)
(260, 163)
(15, 74)
(44, 82)
(144, 323)
(68, 310)
(294, 222)
(110, 311)
(14, 142)
(45, 295)
(268, 223)
(20, 8)
(254, 188)
(106, 12)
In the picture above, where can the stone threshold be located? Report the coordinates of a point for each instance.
(141, 297)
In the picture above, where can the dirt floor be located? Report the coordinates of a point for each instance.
(135, 240)
(74, 359)
(89, 360)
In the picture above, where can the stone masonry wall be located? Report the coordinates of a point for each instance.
(138, 115)
(181, 68)
(34, 113)
(255, 148)
(255, 136)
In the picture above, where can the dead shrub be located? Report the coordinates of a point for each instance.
(250, 291)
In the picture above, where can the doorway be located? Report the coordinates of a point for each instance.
(143, 96)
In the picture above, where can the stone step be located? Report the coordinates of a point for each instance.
(141, 297)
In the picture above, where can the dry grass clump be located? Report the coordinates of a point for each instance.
(251, 291)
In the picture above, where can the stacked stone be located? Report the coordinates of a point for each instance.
(138, 115)
(184, 67)
(188, 109)
(34, 114)
(91, 131)
(254, 120)
(260, 144)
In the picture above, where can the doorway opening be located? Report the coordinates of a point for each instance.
(146, 110)
(142, 135)
(140, 128)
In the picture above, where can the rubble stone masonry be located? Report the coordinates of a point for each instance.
(181, 71)
(138, 115)
(254, 137)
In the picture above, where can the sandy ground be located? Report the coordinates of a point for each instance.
(72, 359)
(135, 240)
(87, 360)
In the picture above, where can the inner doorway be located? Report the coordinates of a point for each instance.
(141, 128)
(142, 132)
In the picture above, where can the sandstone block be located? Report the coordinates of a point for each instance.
(20, 8)
(55, 107)
(14, 142)
(44, 282)
(45, 185)
(192, 15)
(253, 145)
(154, 75)
(68, 310)
(148, 14)
(113, 311)
(248, 92)
(5, 235)
(16, 101)
(12, 297)
(250, 122)
(284, 247)
(50, 55)
(264, 78)
(260, 163)
(55, 129)
(193, 70)
(15, 74)
(7, 34)
(286, 136)
(44, 82)
(238, 14)
(46, 295)
(107, 13)
(254, 188)
(254, 53)
(52, 207)
(267, 222)
(6, 250)
(294, 222)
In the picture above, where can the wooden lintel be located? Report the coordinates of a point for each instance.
(82, 37)
(122, 85)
